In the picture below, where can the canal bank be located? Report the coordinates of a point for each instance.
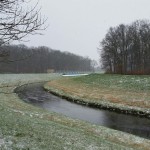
(89, 91)
(24, 126)
(101, 105)
(37, 96)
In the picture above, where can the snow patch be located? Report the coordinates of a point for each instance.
(1, 142)
(72, 75)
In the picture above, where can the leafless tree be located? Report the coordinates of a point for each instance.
(42, 59)
(126, 48)
(17, 19)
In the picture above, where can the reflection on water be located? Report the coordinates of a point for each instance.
(35, 94)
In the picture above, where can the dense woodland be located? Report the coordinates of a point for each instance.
(126, 49)
(23, 59)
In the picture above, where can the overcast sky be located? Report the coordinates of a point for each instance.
(77, 26)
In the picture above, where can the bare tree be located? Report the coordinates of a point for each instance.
(47, 59)
(126, 48)
(18, 19)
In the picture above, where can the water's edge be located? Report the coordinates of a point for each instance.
(105, 106)
(36, 95)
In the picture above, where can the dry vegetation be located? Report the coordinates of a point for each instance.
(24, 127)
(126, 90)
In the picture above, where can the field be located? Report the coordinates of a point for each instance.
(25, 127)
(122, 92)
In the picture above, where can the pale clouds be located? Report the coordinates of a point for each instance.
(77, 26)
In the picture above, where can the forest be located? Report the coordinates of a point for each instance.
(23, 59)
(126, 48)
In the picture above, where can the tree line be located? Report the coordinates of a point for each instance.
(126, 48)
(23, 59)
(19, 19)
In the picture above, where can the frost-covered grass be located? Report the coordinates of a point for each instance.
(120, 91)
(126, 82)
(25, 127)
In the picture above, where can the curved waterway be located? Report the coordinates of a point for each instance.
(36, 95)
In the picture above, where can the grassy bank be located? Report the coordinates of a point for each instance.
(25, 127)
(124, 93)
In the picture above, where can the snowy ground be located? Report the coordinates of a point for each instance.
(130, 94)
(24, 127)
(73, 75)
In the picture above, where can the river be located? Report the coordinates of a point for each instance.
(36, 95)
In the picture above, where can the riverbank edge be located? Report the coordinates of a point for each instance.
(34, 114)
(119, 108)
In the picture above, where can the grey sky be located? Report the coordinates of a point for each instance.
(77, 26)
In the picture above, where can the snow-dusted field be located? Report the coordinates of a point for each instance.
(23, 126)
(127, 93)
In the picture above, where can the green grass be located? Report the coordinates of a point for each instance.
(124, 92)
(131, 82)
(25, 127)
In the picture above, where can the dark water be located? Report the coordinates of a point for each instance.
(35, 94)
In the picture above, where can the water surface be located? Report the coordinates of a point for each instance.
(35, 94)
